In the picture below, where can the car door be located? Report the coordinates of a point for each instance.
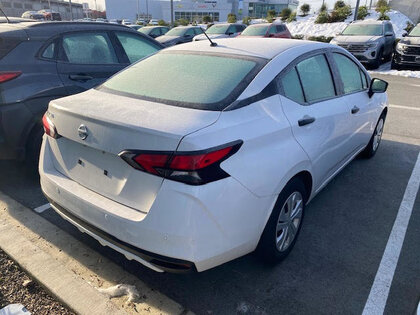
(354, 88)
(319, 118)
(86, 59)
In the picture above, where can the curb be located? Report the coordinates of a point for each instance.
(69, 269)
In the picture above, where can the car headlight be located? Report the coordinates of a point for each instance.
(334, 42)
(400, 47)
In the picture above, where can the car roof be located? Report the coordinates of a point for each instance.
(154, 26)
(49, 29)
(256, 47)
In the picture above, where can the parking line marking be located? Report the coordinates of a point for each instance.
(404, 107)
(379, 292)
(42, 208)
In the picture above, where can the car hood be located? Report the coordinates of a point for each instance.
(165, 38)
(356, 39)
(410, 40)
(211, 36)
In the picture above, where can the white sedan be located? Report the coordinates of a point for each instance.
(215, 155)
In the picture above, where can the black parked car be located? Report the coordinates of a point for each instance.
(407, 51)
(154, 31)
(40, 62)
(179, 35)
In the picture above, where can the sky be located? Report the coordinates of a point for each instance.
(315, 4)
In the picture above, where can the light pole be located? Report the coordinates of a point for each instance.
(138, 10)
(147, 10)
(172, 13)
(71, 11)
(356, 10)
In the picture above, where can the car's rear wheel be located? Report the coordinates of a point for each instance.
(375, 141)
(284, 224)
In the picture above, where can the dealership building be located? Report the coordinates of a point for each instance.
(194, 10)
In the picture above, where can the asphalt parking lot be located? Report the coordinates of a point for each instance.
(334, 263)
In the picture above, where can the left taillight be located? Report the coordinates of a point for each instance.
(193, 168)
(7, 76)
(49, 127)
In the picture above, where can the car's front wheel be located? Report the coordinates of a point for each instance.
(374, 142)
(284, 224)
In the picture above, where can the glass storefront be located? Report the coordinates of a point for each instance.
(195, 16)
(259, 10)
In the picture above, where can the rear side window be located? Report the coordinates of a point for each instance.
(291, 86)
(156, 32)
(49, 52)
(7, 44)
(136, 47)
(89, 48)
(280, 28)
(202, 81)
(350, 73)
(190, 32)
(198, 31)
(315, 75)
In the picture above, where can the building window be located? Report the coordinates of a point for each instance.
(195, 16)
(28, 6)
(18, 5)
(6, 4)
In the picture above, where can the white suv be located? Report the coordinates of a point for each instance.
(185, 175)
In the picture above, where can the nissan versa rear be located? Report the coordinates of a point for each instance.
(215, 155)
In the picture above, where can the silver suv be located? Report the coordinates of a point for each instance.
(369, 41)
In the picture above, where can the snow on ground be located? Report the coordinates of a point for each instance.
(121, 290)
(306, 25)
(386, 69)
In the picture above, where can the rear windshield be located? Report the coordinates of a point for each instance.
(363, 29)
(218, 29)
(177, 31)
(187, 79)
(255, 30)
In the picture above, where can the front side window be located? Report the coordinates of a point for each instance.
(280, 28)
(349, 73)
(209, 82)
(198, 30)
(89, 48)
(273, 30)
(190, 32)
(291, 86)
(155, 32)
(315, 75)
(136, 47)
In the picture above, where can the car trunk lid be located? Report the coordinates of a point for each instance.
(112, 124)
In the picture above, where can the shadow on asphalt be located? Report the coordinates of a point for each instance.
(332, 266)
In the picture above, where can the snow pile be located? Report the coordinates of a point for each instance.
(307, 26)
(402, 73)
(121, 290)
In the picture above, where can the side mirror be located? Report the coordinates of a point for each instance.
(270, 35)
(404, 34)
(389, 34)
(377, 86)
(230, 34)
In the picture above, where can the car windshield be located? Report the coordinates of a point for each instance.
(177, 31)
(255, 30)
(415, 31)
(217, 29)
(187, 79)
(146, 30)
(363, 29)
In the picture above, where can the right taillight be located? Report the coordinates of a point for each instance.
(7, 76)
(49, 127)
(193, 168)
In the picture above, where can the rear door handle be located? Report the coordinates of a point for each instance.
(306, 120)
(355, 110)
(80, 77)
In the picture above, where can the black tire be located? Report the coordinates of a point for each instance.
(395, 66)
(33, 147)
(378, 61)
(267, 248)
(372, 148)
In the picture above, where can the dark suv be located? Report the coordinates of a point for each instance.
(407, 51)
(40, 62)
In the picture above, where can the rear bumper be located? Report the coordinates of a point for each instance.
(15, 120)
(188, 228)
